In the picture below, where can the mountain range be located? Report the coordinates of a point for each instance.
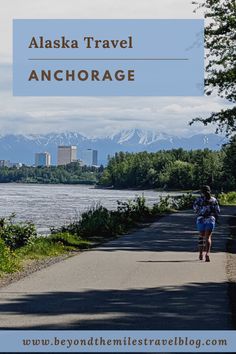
(21, 148)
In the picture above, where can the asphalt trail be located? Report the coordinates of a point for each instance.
(148, 279)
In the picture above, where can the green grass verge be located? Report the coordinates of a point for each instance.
(39, 248)
(9, 261)
(51, 246)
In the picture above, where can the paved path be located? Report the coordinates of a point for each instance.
(149, 279)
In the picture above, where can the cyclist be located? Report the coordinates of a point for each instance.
(207, 209)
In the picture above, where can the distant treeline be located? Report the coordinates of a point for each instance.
(173, 169)
(69, 174)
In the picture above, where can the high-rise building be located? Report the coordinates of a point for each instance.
(90, 157)
(66, 155)
(42, 159)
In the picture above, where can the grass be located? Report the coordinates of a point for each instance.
(51, 246)
(38, 248)
(9, 262)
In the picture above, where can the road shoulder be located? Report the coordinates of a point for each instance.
(231, 263)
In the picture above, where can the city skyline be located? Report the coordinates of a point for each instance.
(65, 155)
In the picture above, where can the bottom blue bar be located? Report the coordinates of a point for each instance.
(117, 341)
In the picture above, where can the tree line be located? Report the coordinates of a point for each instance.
(70, 174)
(173, 169)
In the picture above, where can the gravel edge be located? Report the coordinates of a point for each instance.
(231, 267)
(32, 266)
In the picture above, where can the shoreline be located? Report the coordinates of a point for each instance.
(95, 186)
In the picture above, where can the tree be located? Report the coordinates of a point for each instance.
(220, 36)
(208, 168)
(178, 175)
(230, 164)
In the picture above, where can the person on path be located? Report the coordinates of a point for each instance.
(207, 209)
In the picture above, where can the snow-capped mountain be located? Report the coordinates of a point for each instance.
(138, 136)
(21, 148)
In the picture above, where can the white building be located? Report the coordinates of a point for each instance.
(66, 155)
(16, 164)
(90, 157)
(5, 163)
(42, 159)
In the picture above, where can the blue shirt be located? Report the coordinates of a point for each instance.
(206, 208)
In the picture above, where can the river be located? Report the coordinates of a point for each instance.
(56, 205)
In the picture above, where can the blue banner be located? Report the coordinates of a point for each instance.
(108, 57)
(118, 341)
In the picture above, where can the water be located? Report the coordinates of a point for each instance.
(55, 205)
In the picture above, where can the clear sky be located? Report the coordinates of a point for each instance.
(94, 116)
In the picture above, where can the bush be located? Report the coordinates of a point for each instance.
(99, 221)
(167, 204)
(227, 198)
(16, 235)
(184, 201)
(164, 205)
(134, 210)
(95, 221)
(8, 260)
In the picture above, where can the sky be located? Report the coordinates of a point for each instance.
(95, 116)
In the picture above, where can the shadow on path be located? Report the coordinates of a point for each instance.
(163, 308)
